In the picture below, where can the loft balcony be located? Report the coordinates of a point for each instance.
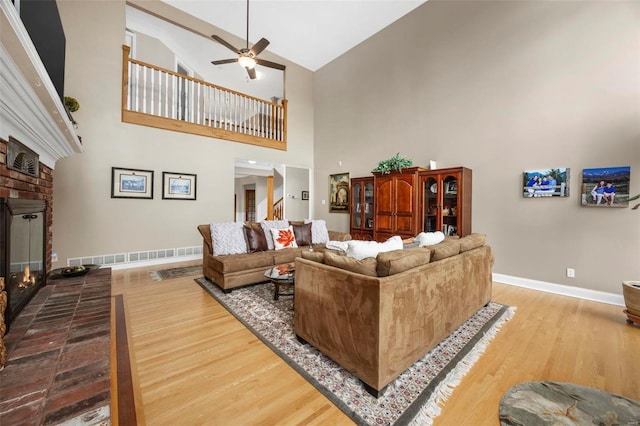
(157, 97)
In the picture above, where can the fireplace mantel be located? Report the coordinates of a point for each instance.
(30, 109)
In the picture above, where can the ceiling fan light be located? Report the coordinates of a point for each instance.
(247, 62)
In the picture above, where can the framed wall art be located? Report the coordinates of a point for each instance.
(178, 186)
(131, 183)
(339, 193)
(543, 183)
(606, 187)
(305, 195)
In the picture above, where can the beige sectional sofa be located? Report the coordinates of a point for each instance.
(235, 270)
(380, 319)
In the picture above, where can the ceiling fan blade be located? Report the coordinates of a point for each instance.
(252, 73)
(224, 61)
(270, 64)
(225, 43)
(259, 46)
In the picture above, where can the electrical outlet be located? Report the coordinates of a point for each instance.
(571, 273)
(54, 257)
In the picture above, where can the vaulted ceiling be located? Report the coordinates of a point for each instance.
(310, 33)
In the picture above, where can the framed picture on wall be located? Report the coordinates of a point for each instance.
(339, 193)
(178, 186)
(606, 187)
(542, 183)
(131, 183)
(305, 195)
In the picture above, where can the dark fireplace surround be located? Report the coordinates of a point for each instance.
(25, 221)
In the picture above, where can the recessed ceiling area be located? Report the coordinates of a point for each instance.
(310, 33)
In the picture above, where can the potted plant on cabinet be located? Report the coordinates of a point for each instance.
(396, 163)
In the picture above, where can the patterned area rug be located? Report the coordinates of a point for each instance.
(165, 274)
(415, 397)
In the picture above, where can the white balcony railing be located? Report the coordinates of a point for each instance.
(158, 97)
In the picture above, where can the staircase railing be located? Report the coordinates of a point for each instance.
(278, 209)
(157, 97)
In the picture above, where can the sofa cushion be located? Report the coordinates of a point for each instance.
(283, 238)
(303, 234)
(267, 225)
(472, 241)
(286, 255)
(228, 238)
(396, 261)
(255, 238)
(365, 266)
(361, 249)
(242, 262)
(319, 231)
(316, 256)
(447, 248)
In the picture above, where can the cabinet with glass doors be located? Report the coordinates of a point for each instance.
(361, 211)
(446, 200)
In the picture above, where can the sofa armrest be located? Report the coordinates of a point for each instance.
(339, 236)
(205, 231)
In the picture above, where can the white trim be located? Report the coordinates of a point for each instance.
(153, 262)
(564, 290)
(30, 107)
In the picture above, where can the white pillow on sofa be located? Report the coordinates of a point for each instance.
(319, 231)
(429, 238)
(362, 249)
(268, 225)
(283, 238)
(228, 238)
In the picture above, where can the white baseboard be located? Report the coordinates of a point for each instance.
(564, 290)
(129, 265)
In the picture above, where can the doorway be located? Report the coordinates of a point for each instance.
(250, 205)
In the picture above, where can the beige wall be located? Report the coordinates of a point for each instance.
(87, 221)
(500, 87)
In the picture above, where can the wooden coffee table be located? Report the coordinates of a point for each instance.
(282, 275)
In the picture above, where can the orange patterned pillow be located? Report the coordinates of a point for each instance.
(283, 238)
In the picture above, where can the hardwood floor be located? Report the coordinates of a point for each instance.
(193, 363)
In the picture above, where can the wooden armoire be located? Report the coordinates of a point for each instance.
(397, 209)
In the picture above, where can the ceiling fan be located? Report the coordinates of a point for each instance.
(247, 57)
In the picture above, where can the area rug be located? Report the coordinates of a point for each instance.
(557, 403)
(415, 397)
(165, 274)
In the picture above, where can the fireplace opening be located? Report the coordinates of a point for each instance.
(23, 244)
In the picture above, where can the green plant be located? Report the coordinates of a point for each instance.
(394, 163)
(71, 104)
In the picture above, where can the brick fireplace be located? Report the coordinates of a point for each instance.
(30, 197)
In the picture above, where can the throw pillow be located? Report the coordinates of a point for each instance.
(256, 241)
(228, 238)
(283, 238)
(429, 238)
(319, 231)
(364, 266)
(303, 234)
(362, 249)
(268, 225)
(396, 261)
